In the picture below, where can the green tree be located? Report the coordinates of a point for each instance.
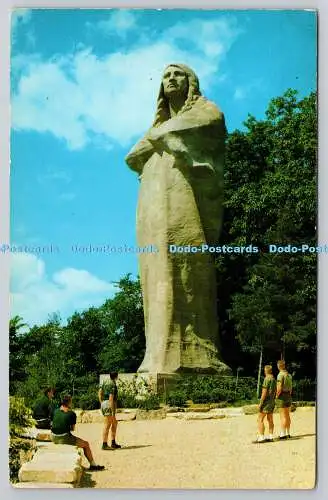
(17, 355)
(270, 193)
(124, 347)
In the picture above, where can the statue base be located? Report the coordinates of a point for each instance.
(158, 383)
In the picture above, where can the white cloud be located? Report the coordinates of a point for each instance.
(243, 91)
(82, 97)
(119, 23)
(35, 295)
(53, 175)
(240, 93)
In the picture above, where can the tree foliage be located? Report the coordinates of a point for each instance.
(270, 193)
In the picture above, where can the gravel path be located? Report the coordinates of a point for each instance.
(174, 453)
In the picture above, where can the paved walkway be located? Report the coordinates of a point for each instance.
(204, 454)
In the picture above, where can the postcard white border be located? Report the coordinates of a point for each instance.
(322, 461)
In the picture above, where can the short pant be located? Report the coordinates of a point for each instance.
(284, 400)
(65, 439)
(267, 407)
(106, 409)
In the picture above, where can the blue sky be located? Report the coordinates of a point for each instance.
(84, 85)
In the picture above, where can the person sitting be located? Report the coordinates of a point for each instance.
(43, 409)
(267, 404)
(108, 394)
(64, 420)
(284, 398)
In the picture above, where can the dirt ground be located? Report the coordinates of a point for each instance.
(173, 453)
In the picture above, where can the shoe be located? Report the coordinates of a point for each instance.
(268, 440)
(283, 437)
(259, 441)
(96, 467)
(115, 446)
(106, 447)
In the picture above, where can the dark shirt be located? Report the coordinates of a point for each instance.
(109, 388)
(62, 421)
(43, 408)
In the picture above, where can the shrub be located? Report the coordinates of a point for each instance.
(87, 401)
(177, 398)
(29, 390)
(136, 393)
(20, 417)
(127, 400)
(19, 450)
(304, 390)
(150, 402)
(215, 388)
(200, 397)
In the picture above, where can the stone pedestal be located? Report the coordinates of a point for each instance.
(159, 383)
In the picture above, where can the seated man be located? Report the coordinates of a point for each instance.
(43, 409)
(63, 423)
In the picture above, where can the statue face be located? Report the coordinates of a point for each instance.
(175, 82)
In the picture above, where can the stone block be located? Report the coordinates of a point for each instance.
(126, 417)
(151, 414)
(221, 404)
(251, 409)
(38, 434)
(53, 464)
(178, 414)
(43, 485)
(174, 409)
(43, 471)
(43, 435)
(199, 409)
(58, 448)
(202, 416)
(73, 460)
(92, 417)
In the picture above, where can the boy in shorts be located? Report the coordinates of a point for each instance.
(284, 398)
(266, 406)
(63, 423)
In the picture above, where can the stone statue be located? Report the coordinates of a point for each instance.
(180, 165)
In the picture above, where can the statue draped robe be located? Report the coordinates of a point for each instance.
(180, 166)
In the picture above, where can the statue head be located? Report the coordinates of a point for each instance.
(177, 79)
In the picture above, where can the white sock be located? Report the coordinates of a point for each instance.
(270, 436)
(260, 437)
(282, 433)
(287, 432)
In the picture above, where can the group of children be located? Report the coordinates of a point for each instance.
(62, 420)
(275, 394)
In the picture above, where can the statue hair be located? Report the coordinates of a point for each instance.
(163, 109)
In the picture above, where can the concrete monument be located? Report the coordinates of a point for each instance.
(180, 165)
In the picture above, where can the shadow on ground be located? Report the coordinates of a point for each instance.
(300, 436)
(86, 480)
(292, 438)
(134, 447)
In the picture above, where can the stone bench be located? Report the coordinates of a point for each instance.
(52, 464)
(43, 485)
(37, 434)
